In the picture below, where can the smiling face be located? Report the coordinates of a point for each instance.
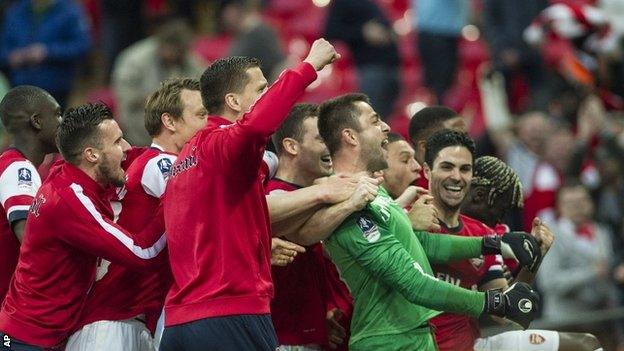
(313, 156)
(450, 177)
(373, 138)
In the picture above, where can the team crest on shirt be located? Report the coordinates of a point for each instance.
(165, 167)
(536, 339)
(369, 229)
(36, 205)
(477, 263)
(24, 177)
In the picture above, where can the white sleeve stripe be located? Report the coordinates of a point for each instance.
(146, 253)
(495, 267)
(17, 208)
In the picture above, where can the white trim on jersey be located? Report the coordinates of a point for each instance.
(154, 177)
(272, 161)
(17, 208)
(144, 253)
(12, 183)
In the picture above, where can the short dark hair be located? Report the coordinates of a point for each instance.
(167, 99)
(445, 138)
(292, 127)
(222, 77)
(79, 128)
(337, 114)
(428, 121)
(19, 104)
(394, 137)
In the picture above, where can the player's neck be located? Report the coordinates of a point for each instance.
(33, 151)
(345, 163)
(167, 143)
(448, 216)
(289, 173)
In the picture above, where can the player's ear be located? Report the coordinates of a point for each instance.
(232, 101)
(350, 136)
(35, 121)
(91, 154)
(290, 145)
(168, 121)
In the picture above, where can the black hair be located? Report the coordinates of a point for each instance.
(19, 104)
(224, 76)
(337, 114)
(499, 177)
(292, 127)
(445, 138)
(427, 121)
(79, 129)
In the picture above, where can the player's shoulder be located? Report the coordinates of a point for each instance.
(276, 186)
(474, 227)
(152, 160)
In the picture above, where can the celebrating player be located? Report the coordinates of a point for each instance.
(216, 213)
(386, 264)
(113, 318)
(70, 225)
(31, 117)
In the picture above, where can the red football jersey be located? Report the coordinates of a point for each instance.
(120, 292)
(19, 182)
(455, 332)
(304, 291)
(69, 226)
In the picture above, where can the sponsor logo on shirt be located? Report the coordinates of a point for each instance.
(24, 177)
(477, 263)
(165, 167)
(185, 164)
(36, 205)
(369, 229)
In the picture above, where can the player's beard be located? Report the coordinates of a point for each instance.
(110, 172)
(374, 157)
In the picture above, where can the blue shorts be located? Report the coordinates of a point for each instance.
(231, 333)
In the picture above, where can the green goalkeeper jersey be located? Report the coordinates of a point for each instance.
(386, 267)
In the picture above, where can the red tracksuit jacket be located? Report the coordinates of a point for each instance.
(218, 230)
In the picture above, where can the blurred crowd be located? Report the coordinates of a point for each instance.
(539, 83)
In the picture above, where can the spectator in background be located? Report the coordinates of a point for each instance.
(372, 41)
(121, 27)
(439, 24)
(42, 42)
(140, 69)
(252, 36)
(574, 276)
(505, 21)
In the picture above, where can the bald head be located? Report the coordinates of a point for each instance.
(22, 102)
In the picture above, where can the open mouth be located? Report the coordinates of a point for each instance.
(384, 144)
(326, 160)
(454, 189)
